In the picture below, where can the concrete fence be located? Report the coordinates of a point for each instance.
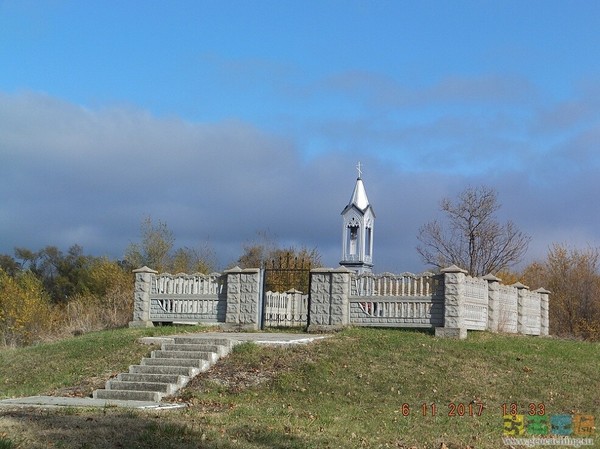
(230, 299)
(450, 302)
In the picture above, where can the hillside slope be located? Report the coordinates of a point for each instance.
(360, 388)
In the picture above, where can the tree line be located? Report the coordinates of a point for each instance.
(51, 292)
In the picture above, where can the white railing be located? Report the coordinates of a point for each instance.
(186, 305)
(404, 300)
(198, 298)
(397, 312)
(288, 309)
(188, 308)
(388, 284)
(396, 309)
(187, 284)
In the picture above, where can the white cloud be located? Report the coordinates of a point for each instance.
(73, 175)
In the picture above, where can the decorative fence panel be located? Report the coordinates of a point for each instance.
(196, 298)
(389, 300)
(187, 308)
(507, 319)
(289, 309)
(187, 284)
(396, 311)
(388, 284)
(531, 313)
(476, 304)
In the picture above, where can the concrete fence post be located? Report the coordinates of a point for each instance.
(454, 303)
(544, 311)
(493, 302)
(521, 309)
(243, 299)
(141, 297)
(329, 299)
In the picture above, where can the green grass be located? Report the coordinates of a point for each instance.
(360, 388)
(354, 388)
(6, 443)
(85, 361)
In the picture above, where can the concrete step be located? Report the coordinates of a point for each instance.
(128, 395)
(218, 349)
(174, 379)
(160, 354)
(203, 341)
(166, 370)
(203, 365)
(141, 386)
(158, 369)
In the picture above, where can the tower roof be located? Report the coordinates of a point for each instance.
(359, 197)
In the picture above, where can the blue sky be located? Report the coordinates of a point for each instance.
(224, 118)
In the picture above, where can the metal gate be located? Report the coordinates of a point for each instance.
(286, 287)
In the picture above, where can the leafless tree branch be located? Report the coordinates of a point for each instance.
(472, 239)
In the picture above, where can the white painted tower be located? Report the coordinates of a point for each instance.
(357, 233)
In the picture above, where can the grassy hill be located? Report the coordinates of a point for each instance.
(361, 388)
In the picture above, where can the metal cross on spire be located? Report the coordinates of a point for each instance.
(359, 170)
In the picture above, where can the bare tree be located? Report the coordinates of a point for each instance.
(156, 250)
(471, 237)
(153, 251)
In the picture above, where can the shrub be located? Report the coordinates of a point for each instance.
(108, 304)
(24, 309)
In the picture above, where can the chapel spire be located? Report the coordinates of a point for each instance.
(357, 233)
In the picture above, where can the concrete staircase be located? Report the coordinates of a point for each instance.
(166, 370)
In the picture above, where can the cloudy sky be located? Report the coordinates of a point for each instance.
(226, 118)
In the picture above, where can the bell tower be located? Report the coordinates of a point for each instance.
(357, 232)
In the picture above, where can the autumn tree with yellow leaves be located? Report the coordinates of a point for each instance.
(573, 277)
(24, 308)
